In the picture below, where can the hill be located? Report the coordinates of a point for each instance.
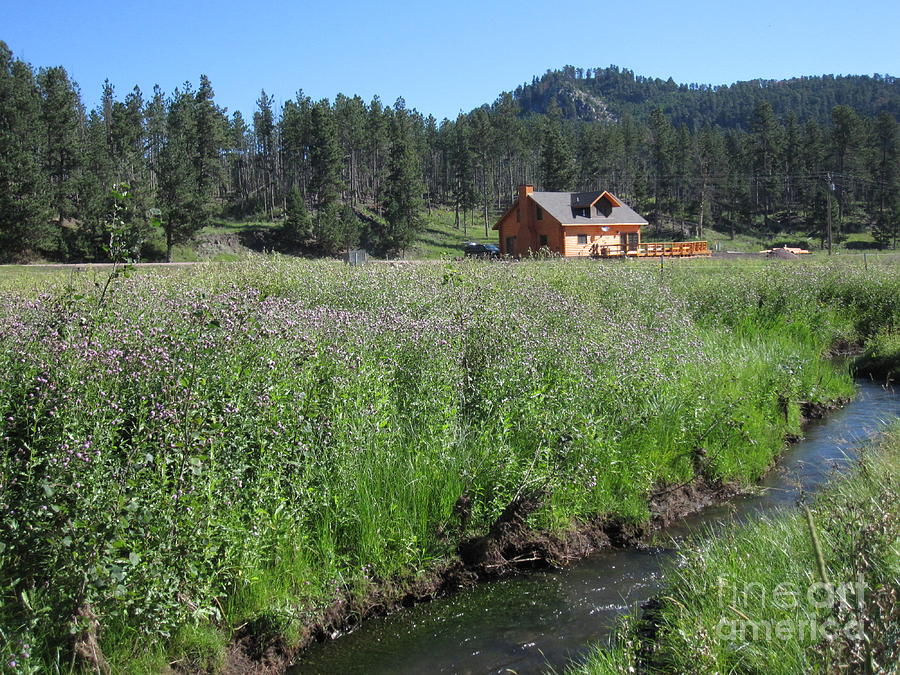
(606, 94)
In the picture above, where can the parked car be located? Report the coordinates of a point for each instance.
(474, 249)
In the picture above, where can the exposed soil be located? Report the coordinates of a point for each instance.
(87, 648)
(736, 254)
(783, 254)
(885, 369)
(509, 547)
(210, 245)
(843, 348)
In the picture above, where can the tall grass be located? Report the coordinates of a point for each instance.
(881, 359)
(242, 444)
(791, 593)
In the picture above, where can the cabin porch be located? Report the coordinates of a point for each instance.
(654, 249)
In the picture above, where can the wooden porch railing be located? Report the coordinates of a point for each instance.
(656, 249)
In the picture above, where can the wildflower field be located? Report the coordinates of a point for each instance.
(189, 453)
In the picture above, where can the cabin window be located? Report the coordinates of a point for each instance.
(543, 240)
(539, 212)
(604, 207)
(583, 212)
(582, 238)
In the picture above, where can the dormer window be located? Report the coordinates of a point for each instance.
(604, 208)
(584, 212)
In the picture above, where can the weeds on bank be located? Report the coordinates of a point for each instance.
(800, 592)
(234, 446)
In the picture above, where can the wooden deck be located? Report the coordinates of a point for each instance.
(657, 249)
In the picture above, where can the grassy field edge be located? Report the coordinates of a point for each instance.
(810, 590)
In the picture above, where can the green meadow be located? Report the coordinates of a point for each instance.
(192, 452)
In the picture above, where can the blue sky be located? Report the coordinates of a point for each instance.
(442, 57)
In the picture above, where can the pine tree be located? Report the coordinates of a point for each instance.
(23, 196)
(886, 172)
(557, 163)
(433, 164)
(681, 184)
(633, 185)
(191, 163)
(123, 127)
(737, 193)
(710, 163)
(296, 229)
(97, 178)
(178, 180)
(508, 129)
(765, 155)
(350, 229)
(462, 164)
(591, 156)
(238, 150)
(483, 143)
(791, 168)
(113, 178)
(661, 143)
(155, 125)
(62, 117)
(812, 161)
(129, 139)
(209, 138)
(325, 184)
(294, 130)
(264, 131)
(377, 136)
(350, 116)
(402, 190)
(845, 136)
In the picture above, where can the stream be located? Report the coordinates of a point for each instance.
(543, 620)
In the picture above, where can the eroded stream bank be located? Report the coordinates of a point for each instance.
(528, 623)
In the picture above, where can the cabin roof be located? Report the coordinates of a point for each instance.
(562, 205)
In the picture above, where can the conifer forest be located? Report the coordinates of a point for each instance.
(759, 157)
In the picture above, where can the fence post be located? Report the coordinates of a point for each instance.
(866, 260)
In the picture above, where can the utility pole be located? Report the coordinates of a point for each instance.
(828, 188)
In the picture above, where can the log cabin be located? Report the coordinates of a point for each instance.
(579, 224)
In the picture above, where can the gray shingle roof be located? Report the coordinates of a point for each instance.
(583, 198)
(561, 206)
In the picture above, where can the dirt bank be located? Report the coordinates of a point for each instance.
(509, 547)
